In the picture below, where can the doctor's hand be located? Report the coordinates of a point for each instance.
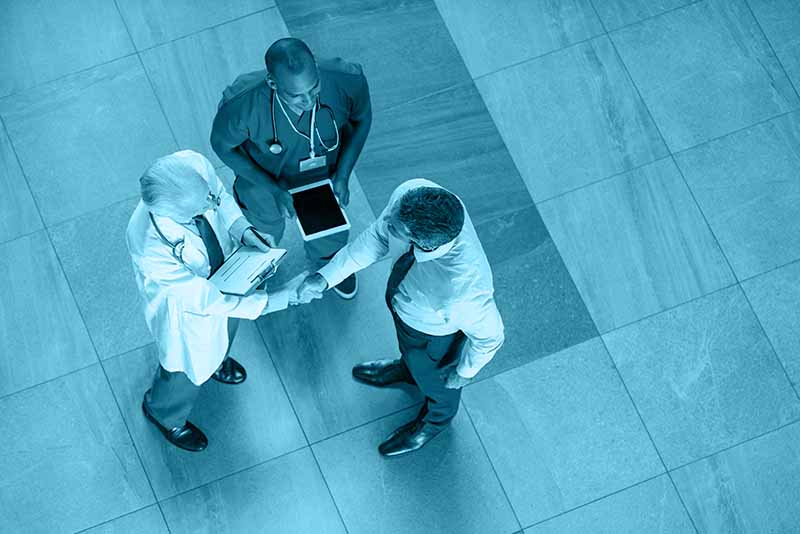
(260, 240)
(453, 380)
(341, 188)
(293, 286)
(285, 204)
(312, 288)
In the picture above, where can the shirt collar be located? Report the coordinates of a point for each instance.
(423, 256)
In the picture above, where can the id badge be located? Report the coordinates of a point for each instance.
(309, 164)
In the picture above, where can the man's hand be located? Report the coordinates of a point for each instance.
(293, 286)
(259, 240)
(285, 204)
(312, 288)
(341, 188)
(453, 380)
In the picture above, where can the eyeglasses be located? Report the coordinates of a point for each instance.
(213, 201)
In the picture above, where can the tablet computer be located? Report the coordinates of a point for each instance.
(318, 210)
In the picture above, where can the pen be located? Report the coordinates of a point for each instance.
(258, 236)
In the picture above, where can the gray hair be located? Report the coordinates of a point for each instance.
(171, 185)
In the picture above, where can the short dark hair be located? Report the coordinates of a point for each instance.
(289, 53)
(433, 216)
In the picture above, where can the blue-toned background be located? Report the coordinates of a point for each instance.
(632, 167)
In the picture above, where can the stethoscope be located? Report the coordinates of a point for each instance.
(177, 247)
(275, 145)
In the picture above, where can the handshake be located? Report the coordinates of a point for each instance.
(304, 288)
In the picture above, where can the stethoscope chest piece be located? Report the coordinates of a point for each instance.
(275, 147)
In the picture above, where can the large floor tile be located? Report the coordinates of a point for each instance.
(652, 507)
(18, 212)
(618, 13)
(735, 82)
(245, 424)
(67, 460)
(636, 244)
(774, 297)
(190, 74)
(50, 38)
(513, 234)
(542, 310)
(752, 488)
(492, 35)
(780, 20)
(571, 118)
(287, 494)
(404, 47)
(152, 22)
(98, 267)
(747, 186)
(84, 141)
(449, 138)
(561, 432)
(145, 521)
(703, 376)
(41, 332)
(446, 487)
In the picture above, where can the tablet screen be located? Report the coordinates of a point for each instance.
(317, 209)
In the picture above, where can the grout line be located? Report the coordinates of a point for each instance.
(107, 521)
(43, 382)
(367, 423)
(768, 271)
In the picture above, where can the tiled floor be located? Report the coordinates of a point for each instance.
(632, 167)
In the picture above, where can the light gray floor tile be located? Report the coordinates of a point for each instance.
(752, 488)
(67, 460)
(652, 507)
(97, 264)
(635, 244)
(617, 13)
(246, 424)
(561, 432)
(41, 332)
(774, 297)
(748, 188)
(287, 494)
(491, 35)
(735, 82)
(84, 141)
(780, 20)
(50, 38)
(190, 74)
(18, 213)
(571, 118)
(448, 486)
(145, 521)
(153, 22)
(703, 376)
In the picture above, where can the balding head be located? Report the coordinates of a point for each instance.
(292, 73)
(289, 54)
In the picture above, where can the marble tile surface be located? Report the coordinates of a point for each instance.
(780, 20)
(747, 185)
(83, 141)
(754, 487)
(774, 297)
(152, 22)
(67, 460)
(145, 521)
(246, 424)
(44, 40)
(18, 212)
(561, 432)
(736, 81)
(513, 234)
(447, 486)
(190, 74)
(287, 494)
(652, 507)
(703, 376)
(571, 118)
(98, 267)
(404, 47)
(618, 13)
(41, 331)
(493, 35)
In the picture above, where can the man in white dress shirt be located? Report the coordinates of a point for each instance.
(440, 293)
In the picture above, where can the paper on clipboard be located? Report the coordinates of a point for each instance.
(246, 268)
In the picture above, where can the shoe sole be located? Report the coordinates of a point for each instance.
(346, 296)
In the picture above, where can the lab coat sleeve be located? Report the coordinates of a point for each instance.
(480, 321)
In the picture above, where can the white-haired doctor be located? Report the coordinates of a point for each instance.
(178, 236)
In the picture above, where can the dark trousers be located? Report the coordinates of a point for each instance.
(427, 358)
(172, 395)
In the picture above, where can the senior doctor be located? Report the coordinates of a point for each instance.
(178, 236)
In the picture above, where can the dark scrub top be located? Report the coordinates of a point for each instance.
(244, 119)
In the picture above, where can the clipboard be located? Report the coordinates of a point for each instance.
(246, 269)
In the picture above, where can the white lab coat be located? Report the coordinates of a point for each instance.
(186, 314)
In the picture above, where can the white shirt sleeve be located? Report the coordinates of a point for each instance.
(480, 321)
(229, 210)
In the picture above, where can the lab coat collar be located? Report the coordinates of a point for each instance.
(423, 256)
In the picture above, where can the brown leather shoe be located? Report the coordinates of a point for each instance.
(187, 437)
(382, 373)
(230, 372)
(409, 438)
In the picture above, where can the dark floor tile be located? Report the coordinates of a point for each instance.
(510, 235)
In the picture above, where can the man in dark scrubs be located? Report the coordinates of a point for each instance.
(268, 160)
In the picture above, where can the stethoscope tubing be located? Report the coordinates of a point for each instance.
(313, 126)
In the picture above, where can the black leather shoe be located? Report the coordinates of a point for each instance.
(382, 373)
(230, 372)
(409, 438)
(188, 437)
